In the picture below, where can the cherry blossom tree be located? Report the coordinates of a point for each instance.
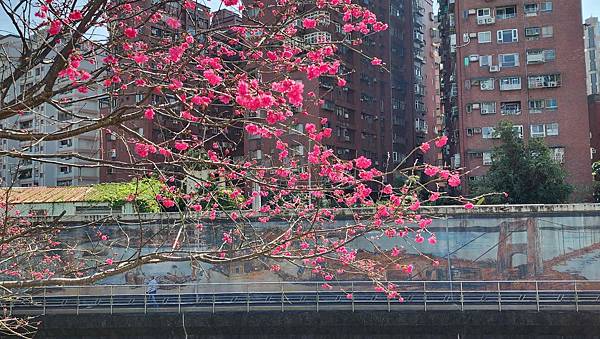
(206, 84)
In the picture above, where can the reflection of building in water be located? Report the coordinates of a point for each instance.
(519, 260)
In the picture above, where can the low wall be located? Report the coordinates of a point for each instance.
(340, 324)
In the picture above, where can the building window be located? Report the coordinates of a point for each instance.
(317, 38)
(510, 108)
(322, 17)
(507, 36)
(508, 60)
(485, 60)
(538, 131)
(536, 106)
(549, 55)
(518, 130)
(510, 83)
(547, 32)
(487, 158)
(532, 33)
(488, 133)
(544, 81)
(531, 9)
(65, 143)
(484, 37)
(488, 108)
(558, 154)
(551, 104)
(486, 84)
(65, 169)
(546, 6)
(506, 12)
(484, 12)
(552, 129)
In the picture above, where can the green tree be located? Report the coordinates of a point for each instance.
(524, 170)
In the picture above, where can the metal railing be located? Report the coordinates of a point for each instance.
(311, 295)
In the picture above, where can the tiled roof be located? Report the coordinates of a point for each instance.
(20, 195)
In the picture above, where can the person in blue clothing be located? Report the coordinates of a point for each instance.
(152, 289)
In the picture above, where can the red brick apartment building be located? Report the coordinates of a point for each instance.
(594, 107)
(516, 60)
(112, 147)
(379, 114)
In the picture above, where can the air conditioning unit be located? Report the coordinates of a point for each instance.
(485, 86)
(473, 35)
(474, 57)
(477, 130)
(490, 20)
(469, 132)
(476, 106)
(494, 68)
(472, 11)
(535, 58)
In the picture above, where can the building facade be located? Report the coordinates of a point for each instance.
(594, 108)
(380, 113)
(520, 61)
(591, 30)
(114, 147)
(47, 119)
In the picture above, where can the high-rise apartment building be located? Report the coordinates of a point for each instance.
(521, 61)
(114, 148)
(594, 107)
(591, 30)
(380, 114)
(47, 119)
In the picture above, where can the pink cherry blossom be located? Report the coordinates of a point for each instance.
(75, 15)
(149, 113)
(173, 23)
(376, 62)
(309, 23)
(441, 142)
(55, 27)
(130, 32)
(181, 145)
(469, 205)
(362, 162)
(454, 180)
(425, 147)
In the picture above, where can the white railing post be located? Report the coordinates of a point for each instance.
(352, 292)
(179, 298)
(576, 297)
(462, 298)
(44, 305)
(213, 299)
(317, 286)
(78, 292)
(111, 299)
(146, 301)
(537, 296)
(425, 296)
(499, 298)
(281, 296)
(247, 298)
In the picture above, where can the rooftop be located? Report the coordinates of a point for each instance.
(25, 195)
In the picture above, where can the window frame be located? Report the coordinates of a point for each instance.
(514, 34)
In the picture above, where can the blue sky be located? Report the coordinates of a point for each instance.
(591, 8)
